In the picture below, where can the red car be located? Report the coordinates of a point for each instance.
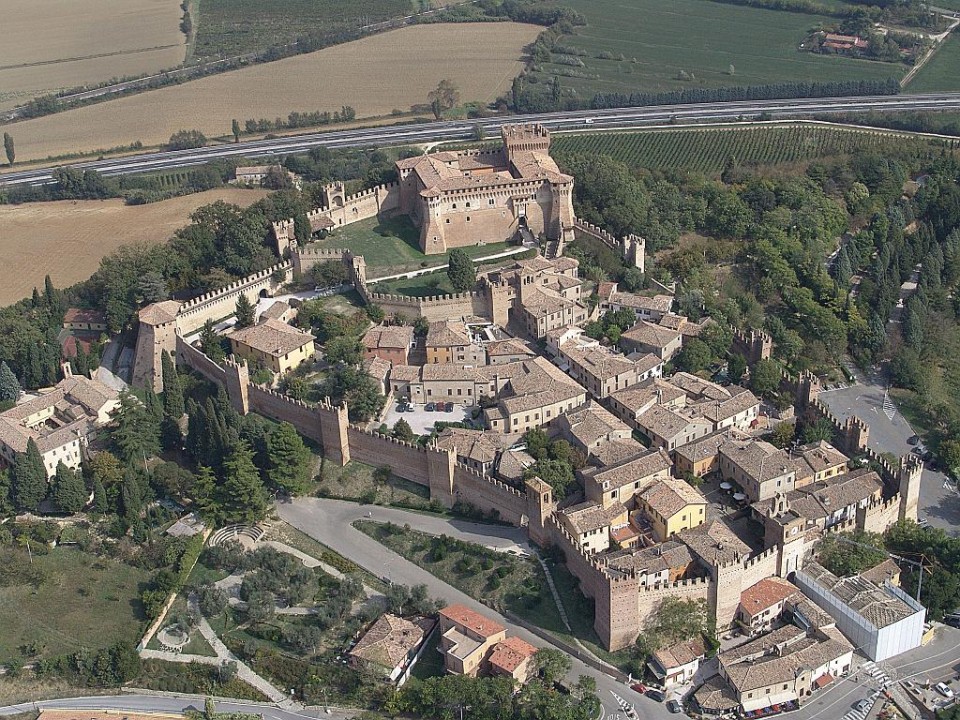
(639, 687)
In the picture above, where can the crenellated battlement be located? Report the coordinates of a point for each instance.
(492, 482)
(190, 305)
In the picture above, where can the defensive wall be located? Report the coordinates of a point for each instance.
(632, 248)
(328, 426)
(340, 209)
(754, 345)
(218, 304)
(434, 307)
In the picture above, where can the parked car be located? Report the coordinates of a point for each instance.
(674, 706)
(944, 690)
(861, 705)
(639, 687)
(952, 621)
(913, 439)
(430, 407)
(448, 407)
(655, 694)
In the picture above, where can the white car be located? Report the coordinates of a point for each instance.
(944, 690)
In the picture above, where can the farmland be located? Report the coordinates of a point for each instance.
(84, 43)
(702, 39)
(232, 27)
(374, 75)
(67, 239)
(707, 150)
(943, 70)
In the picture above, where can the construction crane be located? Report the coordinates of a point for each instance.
(918, 564)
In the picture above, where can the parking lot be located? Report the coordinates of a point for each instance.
(422, 421)
(939, 499)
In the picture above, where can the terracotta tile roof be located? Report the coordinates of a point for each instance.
(391, 639)
(509, 347)
(398, 337)
(639, 396)
(680, 654)
(464, 616)
(716, 695)
(272, 337)
(651, 335)
(765, 594)
(404, 373)
(697, 388)
(657, 303)
(822, 499)
(480, 446)
(159, 313)
(641, 469)
(513, 463)
(448, 333)
(510, 653)
(708, 446)
(592, 424)
(877, 605)
(616, 452)
(83, 315)
(275, 311)
(800, 657)
(588, 516)
(718, 411)
(715, 543)
(670, 555)
(670, 496)
(821, 456)
(884, 572)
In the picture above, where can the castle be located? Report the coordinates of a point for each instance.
(471, 197)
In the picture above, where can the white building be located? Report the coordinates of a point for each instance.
(882, 621)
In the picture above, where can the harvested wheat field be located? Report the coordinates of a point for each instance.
(50, 45)
(373, 75)
(66, 239)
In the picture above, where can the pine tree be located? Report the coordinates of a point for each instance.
(288, 465)
(9, 148)
(210, 343)
(28, 478)
(69, 492)
(36, 300)
(205, 490)
(235, 128)
(245, 311)
(242, 498)
(137, 435)
(49, 291)
(9, 385)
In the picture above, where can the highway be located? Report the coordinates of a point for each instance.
(615, 118)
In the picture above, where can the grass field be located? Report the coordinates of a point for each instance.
(49, 45)
(703, 38)
(707, 150)
(82, 602)
(391, 246)
(392, 70)
(943, 70)
(66, 239)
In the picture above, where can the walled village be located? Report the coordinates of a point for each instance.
(676, 496)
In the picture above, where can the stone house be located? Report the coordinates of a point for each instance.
(590, 523)
(466, 637)
(83, 319)
(392, 646)
(677, 664)
(388, 342)
(647, 337)
(762, 603)
(672, 506)
(619, 483)
(276, 346)
(449, 341)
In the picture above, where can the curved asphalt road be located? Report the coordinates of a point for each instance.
(463, 130)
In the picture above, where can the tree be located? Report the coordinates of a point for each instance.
(151, 287)
(245, 311)
(69, 492)
(844, 559)
(695, 356)
(211, 343)
(460, 270)
(782, 435)
(736, 367)
(678, 620)
(764, 377)
(172, 388)
(9, 385)
(8, 148)
(403, 431)
(949, 453)
(443, 98)
(241, 498)
(186, 140)
(552, 664)
(343, 349)
(288, 466)
(209, 709)
(820, 429)
(101, 503)
(28, 478)
(235, 128)
(137, 435)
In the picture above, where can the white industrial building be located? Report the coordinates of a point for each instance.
(881, 621)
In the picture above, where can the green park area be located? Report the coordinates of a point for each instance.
(59, 601)
(392, 245)
(687, 44)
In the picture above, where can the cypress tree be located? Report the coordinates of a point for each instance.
(288, 464)
(172, 388)
(69, 492)
(245, 311)
(9, 385)
(28, 478)
(101, 504)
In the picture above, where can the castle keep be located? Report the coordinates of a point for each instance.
(471, 197)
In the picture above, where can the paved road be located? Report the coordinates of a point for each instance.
(328, 521)
(939, 500)
(460, 130)
(177, 704)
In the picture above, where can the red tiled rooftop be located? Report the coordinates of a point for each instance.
(462, 615)
(766, 593)
(510, 653)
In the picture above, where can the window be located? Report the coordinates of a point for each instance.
(468, 204)
(491, 201)
(448, 221)
(454, 206)
(468, 218)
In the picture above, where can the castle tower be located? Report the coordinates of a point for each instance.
(908, 476)
(723, 597)
(808, 389)
(856, 434)
(237, 382)
(334, 422)
(333, 194)
(157, 332)
(359, 269)
(440, 468)
(524, 138)
(540, 507)
(635, 251)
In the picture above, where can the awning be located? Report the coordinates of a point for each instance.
(823, 681)
(768, 700)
